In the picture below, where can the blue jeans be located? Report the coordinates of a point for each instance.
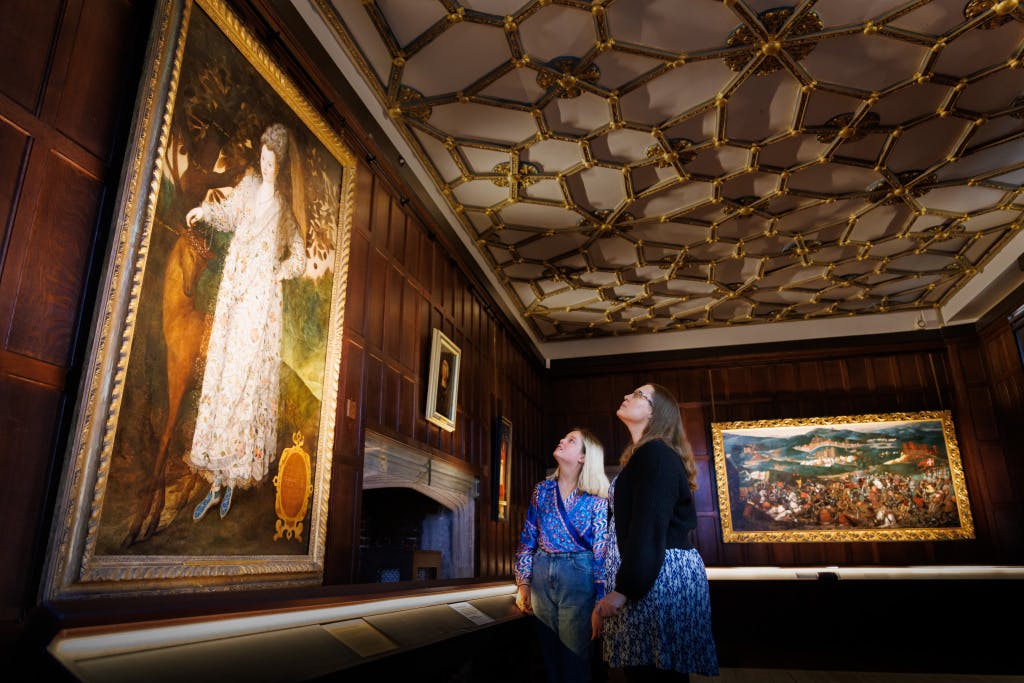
(563, 594)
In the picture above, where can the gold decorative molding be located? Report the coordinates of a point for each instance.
(523, 177)
(567, 76)
(773, 21)
(293, 485)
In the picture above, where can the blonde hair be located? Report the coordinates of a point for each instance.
(592, 478)
(666, 423)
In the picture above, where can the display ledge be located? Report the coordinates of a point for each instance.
(945, 572)
(293, 645)
(304, 644)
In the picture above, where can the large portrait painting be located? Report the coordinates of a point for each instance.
(202, 446)
(892, 477)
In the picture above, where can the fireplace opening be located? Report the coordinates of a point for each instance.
(418, 515)
(405, 536)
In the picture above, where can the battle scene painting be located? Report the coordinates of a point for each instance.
(867, 477)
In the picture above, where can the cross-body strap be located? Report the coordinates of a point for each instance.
(568, 522)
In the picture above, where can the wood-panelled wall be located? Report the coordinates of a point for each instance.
(402, 284)
(65, 91)
(978, 377)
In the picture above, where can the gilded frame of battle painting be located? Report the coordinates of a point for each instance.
(201, 450)
(888, 477)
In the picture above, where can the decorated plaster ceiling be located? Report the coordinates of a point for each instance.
(627, 167)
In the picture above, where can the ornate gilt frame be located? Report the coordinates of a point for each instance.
(74, 567)
(501, 470)
(442, 402)
(821, 479)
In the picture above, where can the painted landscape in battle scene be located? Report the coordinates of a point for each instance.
(855, 476)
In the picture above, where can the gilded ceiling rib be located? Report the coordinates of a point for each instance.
(808, 161)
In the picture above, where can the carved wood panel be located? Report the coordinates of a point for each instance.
(65, 94)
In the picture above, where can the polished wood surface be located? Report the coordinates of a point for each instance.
(65, 96)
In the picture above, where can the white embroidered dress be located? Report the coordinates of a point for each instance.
(235, 438)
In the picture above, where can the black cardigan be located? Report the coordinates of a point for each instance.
(654, 511)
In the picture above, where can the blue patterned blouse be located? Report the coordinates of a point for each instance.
(545, 529)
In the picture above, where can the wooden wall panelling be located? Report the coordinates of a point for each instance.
(351, 406)
(346, 470)
(59, 238)
(380, 213)
(362, 208)
(447, 270)
(64, 97)
(1008, 390)
(410, 258)
(396, 231)
(82, 99)
(340, 554)
(833, 374)
(28, 32)
(425, 263)
(390, 395)
(884, 374)
(393, 294)
(971, 385)
(14, 148)
(408, 406)
(1005, 371)
(376, 296)
(29, 413)
(424, 317)
(355, 296)
(408, 325)
(373, 389)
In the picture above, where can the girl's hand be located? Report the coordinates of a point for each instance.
(596, 625)
(523, 600)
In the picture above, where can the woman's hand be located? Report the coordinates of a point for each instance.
(523, 601)
(609, 605)
(194, 215)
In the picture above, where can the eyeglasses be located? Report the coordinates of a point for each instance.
(639, 394)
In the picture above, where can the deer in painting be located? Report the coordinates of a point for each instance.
(184, 327)
(194, 168)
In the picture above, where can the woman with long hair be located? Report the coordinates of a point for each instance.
(235, 438)
(561, 552)
(656, 616)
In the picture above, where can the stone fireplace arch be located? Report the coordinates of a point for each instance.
(389, 463)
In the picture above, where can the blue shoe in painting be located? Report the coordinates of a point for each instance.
(212, 498)
(225, 503)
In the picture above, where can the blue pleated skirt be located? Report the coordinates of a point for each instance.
(670, 627)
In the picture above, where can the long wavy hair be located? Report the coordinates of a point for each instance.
(592, 479)
(666, 423)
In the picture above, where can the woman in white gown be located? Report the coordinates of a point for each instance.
(236, 427)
